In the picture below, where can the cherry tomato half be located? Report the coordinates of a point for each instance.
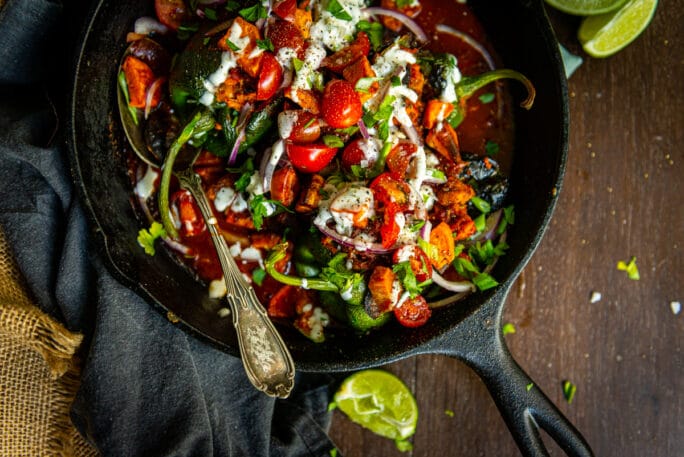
(348, 55)
(192, 223)
(353, 154)
(305, 127)
(419, 261)
(389, 230)
(341, 107)
(171, 13)
(285, 9)
(310, 158)
(413, 312)
(284, 34)
(390, 190)
(270, 77)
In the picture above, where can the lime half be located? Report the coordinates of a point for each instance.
(380, 402)
(586, 7)
(606, 34)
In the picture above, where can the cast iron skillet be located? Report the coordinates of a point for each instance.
(469, 331)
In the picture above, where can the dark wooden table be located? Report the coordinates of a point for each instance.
(622, 197)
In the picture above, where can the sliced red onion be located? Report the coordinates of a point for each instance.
(470, 41)
(146, 25)
(404, 19)
(200, 13)
(425, 231)
(411, 132)
(362, 246)
(150, 94)
(478, 47)
(491, 225)
(452, 286)
(363, 129)
(242, 126)
(268, 164)
(175, 245)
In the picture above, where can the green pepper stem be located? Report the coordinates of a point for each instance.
(278, 254)
(471, 84)
(167, 167)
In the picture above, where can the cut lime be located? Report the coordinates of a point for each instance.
(586, 7)
(380, 402)
(606, 34)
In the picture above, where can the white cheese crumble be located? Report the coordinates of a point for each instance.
(217, 288)
(145, 187)
(595, 297)
(676, 307)
(224, 198)
(336, 33)
(235, 249)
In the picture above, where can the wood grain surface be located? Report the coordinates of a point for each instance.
(622, 197)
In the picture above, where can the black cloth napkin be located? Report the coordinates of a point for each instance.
(148, 388)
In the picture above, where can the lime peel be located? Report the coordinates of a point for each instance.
(586, 7)
(380, 402)
(606, 34)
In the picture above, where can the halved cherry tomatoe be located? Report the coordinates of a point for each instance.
(419, 261)
(354, 154)
(191, 221)
(299, 126)
(413, 312)
(341, 107)
(270, 77)
(284, 34)
(284, 9)
(171, 13)
(310, 158)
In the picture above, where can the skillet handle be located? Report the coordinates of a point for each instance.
(523, 406)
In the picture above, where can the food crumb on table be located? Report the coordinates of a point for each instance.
(676, 307)
(595, 297)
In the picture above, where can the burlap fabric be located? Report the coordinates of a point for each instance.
(38, 375)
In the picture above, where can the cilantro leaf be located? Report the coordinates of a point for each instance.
(337, 10)
(569, 390)
(147, 237)
(507, 219)
(508, 328)
(629, 267)
(258, 276)
(254, 13)
(333, 141)
(266, 45)
(483, 281)
(210, 14)
(486, 98)
(374, 30)
(233, 47)
(246, 171)
(408, 279)
(261, 207)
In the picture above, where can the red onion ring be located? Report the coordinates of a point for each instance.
(149, 95)
(478, 47)
(452, 286)
(491, 224)
(425, 231)
(268, 164)
(404, 19)
(363, 129)
(362, 246)
(242, 126)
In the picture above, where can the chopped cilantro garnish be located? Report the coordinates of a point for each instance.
(465, 267)
(508, 218)
(258, 276)
(337, 10)
(210, 14)
(297, 63)
(246, 171)
(266, 45)
(408, 279)
(491, 148)
(146, 237)
(483, 281)
(403, 445)
(485, 253)
(417, 226)
(403, 3)
(449, 412)
(480, 222)
(374, 30)
(508, 328)
(529, 386)
(232, 5)
(569, 390)
(333, 141)
(124, 89)
(261, 207)
(206, 41)
(486, 98)
(481, 204)
(254, 13)
(185, 31)
(333, 452)
(630, 267)
(233, 47)
(395, 81)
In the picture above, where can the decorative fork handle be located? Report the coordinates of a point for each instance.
(266, 359)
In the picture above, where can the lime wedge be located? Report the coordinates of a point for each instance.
(606, 34)
(380, 402)
(586, 7)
